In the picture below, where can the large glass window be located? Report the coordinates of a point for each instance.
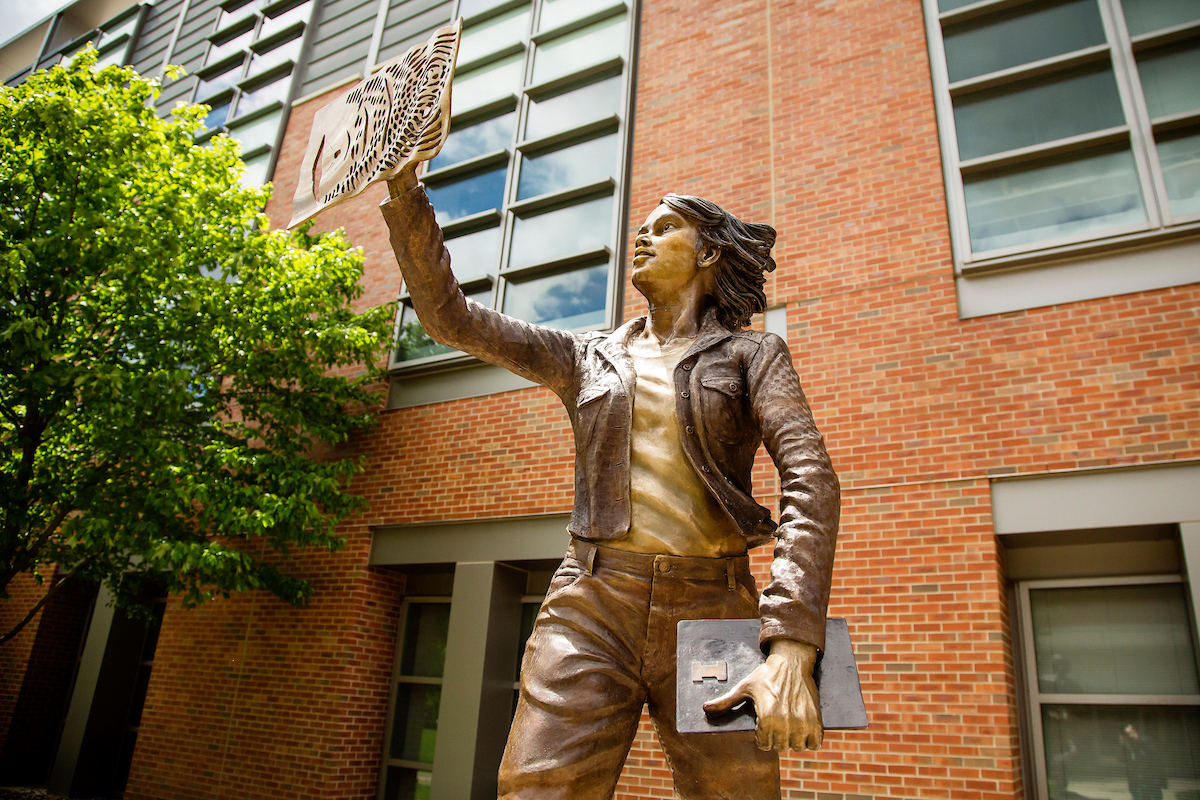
(1066, 122)
(527, 188)
(247, 75)
(1114, 695)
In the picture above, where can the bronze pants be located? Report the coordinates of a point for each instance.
(602, 646)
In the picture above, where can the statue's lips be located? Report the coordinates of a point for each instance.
(642, 253)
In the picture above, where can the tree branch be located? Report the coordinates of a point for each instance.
(50, 593)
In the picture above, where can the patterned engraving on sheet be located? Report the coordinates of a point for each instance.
(396, 117)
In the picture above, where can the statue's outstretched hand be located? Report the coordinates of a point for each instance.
(785, 698)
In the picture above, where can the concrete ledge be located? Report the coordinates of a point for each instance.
(1146, 495)
(539, 536)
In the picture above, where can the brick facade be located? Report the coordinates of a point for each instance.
(818, 118)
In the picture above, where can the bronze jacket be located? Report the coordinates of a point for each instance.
(735, 390)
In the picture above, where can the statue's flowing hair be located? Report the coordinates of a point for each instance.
(745, 258)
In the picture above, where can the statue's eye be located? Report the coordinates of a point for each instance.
(668, 226)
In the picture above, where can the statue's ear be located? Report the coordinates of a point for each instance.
(709, 255)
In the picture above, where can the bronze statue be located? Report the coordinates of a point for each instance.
(668, 412)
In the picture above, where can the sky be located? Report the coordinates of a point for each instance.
(20, 14)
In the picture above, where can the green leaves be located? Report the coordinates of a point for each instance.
(168, 366)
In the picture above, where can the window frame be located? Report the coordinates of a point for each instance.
(501, 272)
(1025, 660)
(1138, 131)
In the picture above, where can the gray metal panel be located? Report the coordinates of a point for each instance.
(502, 539)
(1085, 279)
(1097, 499)
(405, 28)
(478, 380)
(156, 34)
(189, 50)
(340, 44)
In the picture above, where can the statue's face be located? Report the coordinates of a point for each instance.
(665, 253)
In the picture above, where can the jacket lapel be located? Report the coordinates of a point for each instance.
(615, 350)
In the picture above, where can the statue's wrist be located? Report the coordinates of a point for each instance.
(795, 652)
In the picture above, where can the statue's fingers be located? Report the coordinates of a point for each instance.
(728, 700)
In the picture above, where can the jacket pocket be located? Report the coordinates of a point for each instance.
(721, 404)
(589, 405)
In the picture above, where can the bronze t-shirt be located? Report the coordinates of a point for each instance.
(673, 512)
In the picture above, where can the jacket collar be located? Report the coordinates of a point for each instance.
(615, 347)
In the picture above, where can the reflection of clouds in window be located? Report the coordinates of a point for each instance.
(569, 53)
(487, 83)
(572, 166)
(569, 300)
(568, 230)
(493, 35)
(1064, 199)
(1180, 159)
(467, 143)
(564, 111)
(475, 253)
(264, 95)
(1037, 111)
(470, 196)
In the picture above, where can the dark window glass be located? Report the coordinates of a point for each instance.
(1036, 111)
(414, 726)
(425, 639)
(1028, 33)
(407, 784)
(1143, 16)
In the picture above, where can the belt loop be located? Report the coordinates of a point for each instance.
(730, 574)
(591, 559)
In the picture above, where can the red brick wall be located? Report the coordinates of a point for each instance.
(23, 594)
(818, 118)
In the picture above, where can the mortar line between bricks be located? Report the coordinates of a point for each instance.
(805, 301)
(233, 706)
(1009, 475)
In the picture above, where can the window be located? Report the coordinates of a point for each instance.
(247, 76)
(1066, 125)
(1112, 685)
(528, 187)
(412, 730)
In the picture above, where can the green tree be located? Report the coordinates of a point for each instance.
(171, 371)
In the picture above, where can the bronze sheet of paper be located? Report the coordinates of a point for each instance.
(394, 118)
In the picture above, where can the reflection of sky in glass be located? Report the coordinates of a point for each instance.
(555, 114)
(484, 137)
(494, 34)
(558, 233)
(242, 11)
(560, 12)
(414, 343)
(217, 115)
(474, 255)
(468, 196)
(259, 132)
(1028, 33)
(1036, 111)
(569, 300)
(218, 82)
(1180, 159)
(572, 166)
(470, 8)
(1171, 79)
(1069, 198)
(220, 51)
(256, 171)
(277, 23)
(1143, 16)
(288, 51)
(264, 95)
(488, 83)
(572, 52)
